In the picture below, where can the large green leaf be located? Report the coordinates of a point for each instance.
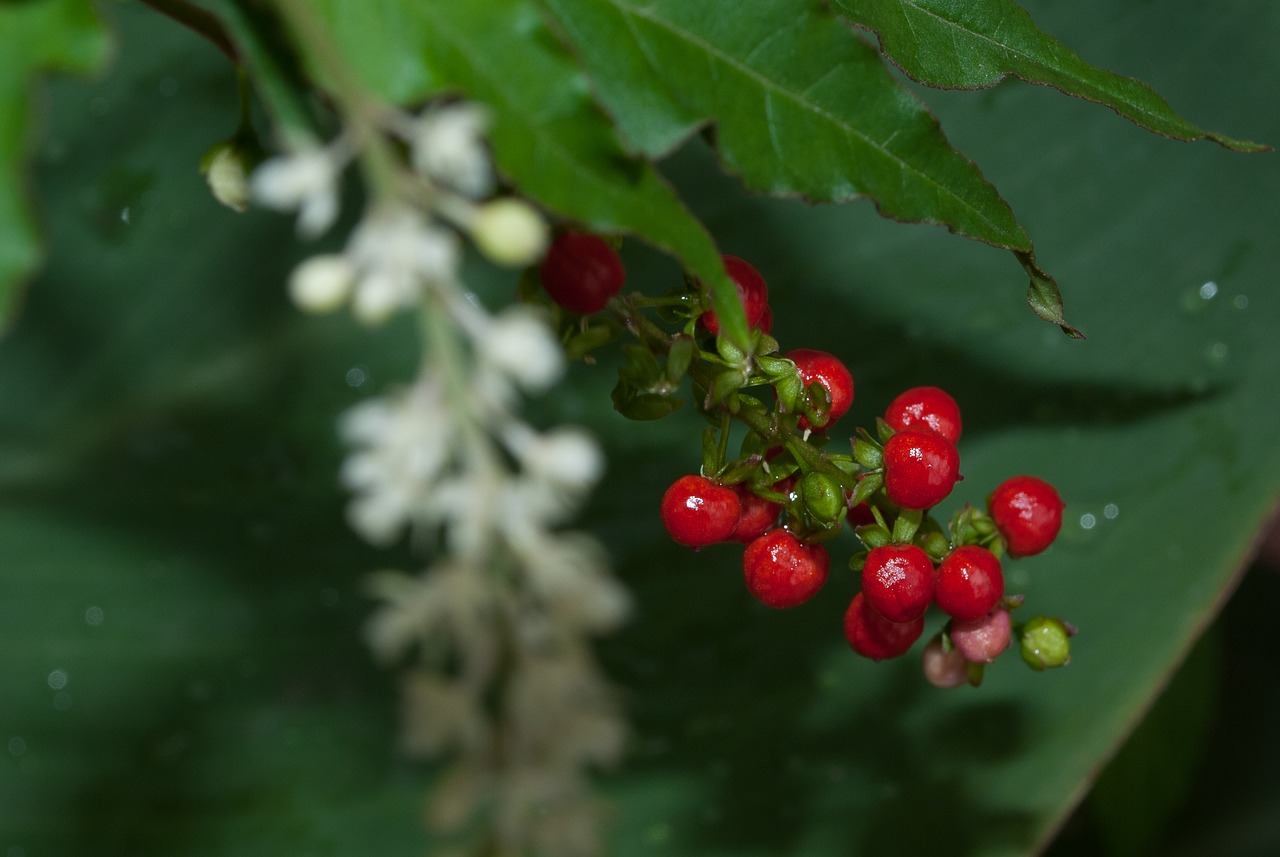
(800, 106)
(548, 136)
(974, 44)
(35, 36)
(167, 456)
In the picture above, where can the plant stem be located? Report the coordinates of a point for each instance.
(200, 22)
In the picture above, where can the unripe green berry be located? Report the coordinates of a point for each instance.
(1045, 643)
(823, 497)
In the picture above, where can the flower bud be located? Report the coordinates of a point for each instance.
(322, 283)
(510, 232)
(1045, 643)
(226, 168)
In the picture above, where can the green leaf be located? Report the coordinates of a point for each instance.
(548, 136)
(974, 44)
(800, 106)
(38, 36)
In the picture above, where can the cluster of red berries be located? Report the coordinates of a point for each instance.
(784, 496)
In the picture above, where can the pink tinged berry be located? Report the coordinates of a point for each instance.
(930, 408)
(581, 272)
(943, 668)
(873, 636)
(782, 571)
(969, 583)
(920, 468)
(758, 515)
(897, 581)
(698, 512)
(753, 291)
(1028, 513)
(831, 374)
(981, 641)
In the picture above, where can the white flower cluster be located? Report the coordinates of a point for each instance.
(508, 603)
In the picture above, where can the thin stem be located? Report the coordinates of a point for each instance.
(199, 21)
(377, 160)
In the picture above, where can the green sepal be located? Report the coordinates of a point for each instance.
(867, 486)
(976, 672)
(640, 367)
(858, 561)
(884, 430)
(725, 385)
(680, 357)
(764, 344)
(775, 368)
(730, 352)
(635, 405)
(906, 525)
(788, 390)
(934, 542)
(588, 339)
(739, 470)
(873, 536)
(867, 452)
(710, 451)
(817, 405)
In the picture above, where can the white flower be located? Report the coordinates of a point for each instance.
(566, 457)
(519, 344)
(510, 232)
(322, 283)
(447, 145)
(396, 252)
(306, 181)
(402, 446)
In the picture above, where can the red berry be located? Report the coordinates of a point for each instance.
(782, 571)
(943, 668)
(926, 408)
(831, 374)
(698, 512)
(758, 515)
(581, 272)
(920, 468)
(983, 640)
(1028, 513)
(969, 583)
(897, 581)
(873, 636)
(752, 291)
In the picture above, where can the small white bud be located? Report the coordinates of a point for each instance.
(226, 169)
(447, 146)
(322, 283)
(510, 232)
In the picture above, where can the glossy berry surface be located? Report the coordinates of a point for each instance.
(873, 636)
(897, 581)
(834, 377)
(969, 583)
(1027, 512)
(983, 640)
(698, 512)
(758, 515)
(930, 408)
(581, 272)
(782, 571)
(920, 468)
(752, 290)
